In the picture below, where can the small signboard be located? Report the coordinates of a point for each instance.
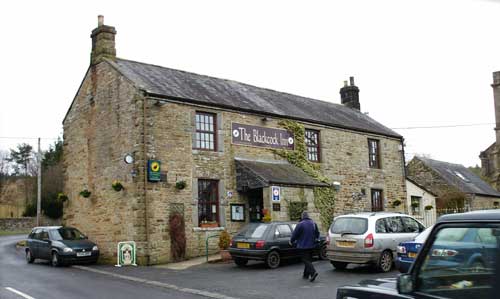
(126, 253)
(154, 167)
(276, 193)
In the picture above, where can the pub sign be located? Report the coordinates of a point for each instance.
(154, 167)
(261, 136)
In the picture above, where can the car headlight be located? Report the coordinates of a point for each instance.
(95, 248)
(67, 249)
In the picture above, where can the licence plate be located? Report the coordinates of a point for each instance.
(84, 253)
(412, 254)
(243, 245)
(348, 244)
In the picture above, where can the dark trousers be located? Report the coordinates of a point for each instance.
(306, 255)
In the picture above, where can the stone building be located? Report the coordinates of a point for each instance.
(421, 203)
(453, 184)
(219, 153)
(490, 159)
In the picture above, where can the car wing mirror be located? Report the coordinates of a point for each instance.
(405, 284)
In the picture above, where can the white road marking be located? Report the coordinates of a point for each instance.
(19, 293)
(158, 284)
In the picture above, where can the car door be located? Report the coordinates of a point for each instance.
(33, 240)
(397, 231)
(44, 245)
(282, 235)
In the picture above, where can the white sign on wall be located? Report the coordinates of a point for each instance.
(276, 193)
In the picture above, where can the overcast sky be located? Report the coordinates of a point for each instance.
(417, 63)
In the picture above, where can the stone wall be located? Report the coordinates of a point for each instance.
(25, 223)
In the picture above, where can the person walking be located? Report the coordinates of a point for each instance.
(304, 236)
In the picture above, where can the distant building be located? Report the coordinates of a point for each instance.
(490, 157)
(452, 181)
(418, 201)
(216, 152)
(14, 194)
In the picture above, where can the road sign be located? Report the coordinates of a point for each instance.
(126, 253)
(276, 193)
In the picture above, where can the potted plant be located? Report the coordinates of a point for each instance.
(117, 186)
(224, 242)
(415, 204)
(267, 216)
(179, 185)
(62, 197)
(206, 223)
(85, 193)
(428, 207)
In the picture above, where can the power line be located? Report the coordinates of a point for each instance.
(443, 126)
(9, 137)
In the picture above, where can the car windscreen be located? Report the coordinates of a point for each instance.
(349, 225)
(253, 230)
(67, 234)
(423, 235)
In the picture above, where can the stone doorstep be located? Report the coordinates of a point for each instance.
(191, 262)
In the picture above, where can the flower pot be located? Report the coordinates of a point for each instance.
(225, 255)
(211, 224)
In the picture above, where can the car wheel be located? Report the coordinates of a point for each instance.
(322, 253)
(339, 265)
(54, 261)
(29, 257)
(385, 261)
(241, 262)
(273, 259)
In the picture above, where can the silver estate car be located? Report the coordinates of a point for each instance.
(369, 238)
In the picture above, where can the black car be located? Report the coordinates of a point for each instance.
(60, 245)
(268, 242)
(460, 259)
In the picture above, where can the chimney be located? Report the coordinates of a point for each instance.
(103, 42)
(349, 95)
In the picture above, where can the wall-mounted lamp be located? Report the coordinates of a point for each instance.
(336, 186)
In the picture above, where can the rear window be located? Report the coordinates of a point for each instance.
(423, 236)
(351, 225)
(254, 230)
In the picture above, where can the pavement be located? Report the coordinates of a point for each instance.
(183, 265)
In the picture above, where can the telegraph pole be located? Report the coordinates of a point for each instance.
(39, 193)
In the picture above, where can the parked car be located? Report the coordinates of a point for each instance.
(60, 245)
(268, 242)
(369, 238)
(460, 259)
(407, 251)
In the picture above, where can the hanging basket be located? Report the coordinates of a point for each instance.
(117, 186)
(85, 193)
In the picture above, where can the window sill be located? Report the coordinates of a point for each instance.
(208, 229)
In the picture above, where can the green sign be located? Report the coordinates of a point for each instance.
(126, 254)
(154, 167)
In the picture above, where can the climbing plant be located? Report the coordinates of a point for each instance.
(324, 197)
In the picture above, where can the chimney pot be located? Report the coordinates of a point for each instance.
(103, 42)
(345, 83)
(349, 95)
(496, 78)
(100, 20)
(352, 80)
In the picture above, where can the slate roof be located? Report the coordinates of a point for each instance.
(189, 87)
(258, 174)
(461, 177)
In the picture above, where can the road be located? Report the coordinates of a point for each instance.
(220, 280)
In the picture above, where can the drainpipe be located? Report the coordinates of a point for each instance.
(146, 218)
(407, 210)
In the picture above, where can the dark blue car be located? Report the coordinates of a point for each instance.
(407, 251)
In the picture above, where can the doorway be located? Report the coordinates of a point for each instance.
(255, 204)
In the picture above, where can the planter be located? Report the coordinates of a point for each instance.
(225, 255)
(85, 193)
(211, 224)
(117, 186)
(179, 185)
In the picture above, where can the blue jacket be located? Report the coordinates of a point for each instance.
(305, 234)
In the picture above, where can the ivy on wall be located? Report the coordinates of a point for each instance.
(324, 197)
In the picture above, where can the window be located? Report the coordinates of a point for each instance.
(380, 226)
(283, 231)
(411, 226)
(352, 225)
(312, 143)
(205, 138)
(208, 201)
(373, 153)
(377, 201)
(394, 225)
(460, 263)
(415, 205)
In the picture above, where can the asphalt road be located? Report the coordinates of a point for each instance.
(220, 280)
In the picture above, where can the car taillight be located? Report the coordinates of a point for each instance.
(444, 252)
(401, 249)
(327, 239)
(369, 241)
(260, 244)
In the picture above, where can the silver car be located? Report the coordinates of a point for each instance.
(369, 238)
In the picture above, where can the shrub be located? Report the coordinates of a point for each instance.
(428, 207)
(296, 209)
(62, 197)
(52, 208)
(30, 210)
(85, 193)
(224, 240)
